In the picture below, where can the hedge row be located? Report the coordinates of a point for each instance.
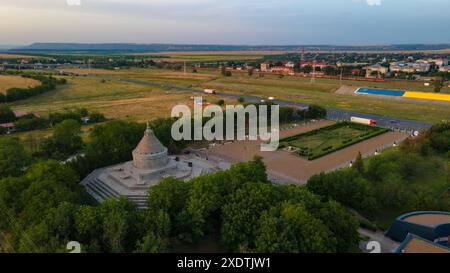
(350, 143)
(375, 132)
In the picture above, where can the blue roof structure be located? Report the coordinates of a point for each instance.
(421, 223)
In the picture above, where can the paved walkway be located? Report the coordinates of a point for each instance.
(284, 167)
(386, 244)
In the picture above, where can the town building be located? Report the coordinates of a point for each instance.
(376, 71)
(149, 166)
(283, 70)
(410, 67)
(321, 65)
(354, 64)
(289, 64)
(10, 127)
(444, 68)
(438, 61)
(265, 67)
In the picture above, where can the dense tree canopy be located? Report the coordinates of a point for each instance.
(346, 186)
(13, 157)
(42, 207)
(6, 114)
(66, 140)
(413, 177)
(109, 144)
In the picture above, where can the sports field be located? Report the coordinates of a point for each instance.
(427, 96)
(326, 140)
(404, 94)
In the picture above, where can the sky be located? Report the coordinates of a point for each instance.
(233, 22)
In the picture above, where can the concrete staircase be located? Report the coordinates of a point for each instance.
(101, 191)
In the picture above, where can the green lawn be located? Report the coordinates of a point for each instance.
(329, 139)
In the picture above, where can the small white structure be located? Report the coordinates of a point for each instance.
(444, 68)
(210, 91)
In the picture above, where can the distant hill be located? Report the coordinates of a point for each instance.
(135, 48)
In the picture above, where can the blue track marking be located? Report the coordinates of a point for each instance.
(383, 92)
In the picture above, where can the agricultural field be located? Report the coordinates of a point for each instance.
(112, 96)
(18, 56)
(146, 90)
(204, 56)
(85, 71)
(7, 82)
(326, 140)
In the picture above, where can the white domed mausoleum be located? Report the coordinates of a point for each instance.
(151, 163)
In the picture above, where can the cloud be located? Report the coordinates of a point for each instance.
(374, 2)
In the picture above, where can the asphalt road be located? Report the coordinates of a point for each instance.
(395, 124)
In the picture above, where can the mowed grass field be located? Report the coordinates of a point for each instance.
(7, 82)
(140, 93)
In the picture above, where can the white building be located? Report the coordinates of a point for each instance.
(440, 62)
(149, 166)
(376, 71)
(289, 64)
(409, 67)
(444, 68)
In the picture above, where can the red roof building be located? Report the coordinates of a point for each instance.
(8, 125)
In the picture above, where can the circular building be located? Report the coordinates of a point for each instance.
(430, 227)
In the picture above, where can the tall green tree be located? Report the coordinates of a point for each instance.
(359, 164)
(347, 187)
(241, 214)
(291, 228)
(169, 195)
(120, 225)
(6, 114)
(13, 157)
(342, 224)
(157, 232)
(51, 183)
(66, 140)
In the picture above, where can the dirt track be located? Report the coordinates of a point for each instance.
(284, 167)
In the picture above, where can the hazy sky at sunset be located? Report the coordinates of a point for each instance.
(226, 22)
